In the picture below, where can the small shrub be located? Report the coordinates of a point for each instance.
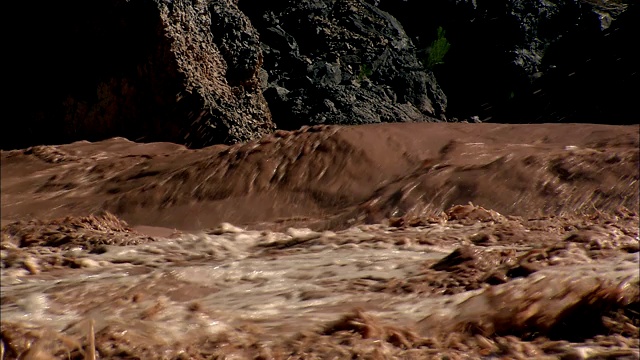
(365, 72)
(437, 50)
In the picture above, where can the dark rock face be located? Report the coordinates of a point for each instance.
(532, 60)
(592, 76)
(340, 62)
(146, 70)
(216, 71)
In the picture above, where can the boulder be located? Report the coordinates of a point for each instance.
(341, 62)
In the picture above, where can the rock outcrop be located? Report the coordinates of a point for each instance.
(180, 71)
(340, 62)
(532, 60)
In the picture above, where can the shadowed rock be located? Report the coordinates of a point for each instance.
(530, 60)
(145, 70)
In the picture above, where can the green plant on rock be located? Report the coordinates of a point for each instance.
(437, 50)
(365, 72)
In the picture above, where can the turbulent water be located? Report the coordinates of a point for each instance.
(384, 241)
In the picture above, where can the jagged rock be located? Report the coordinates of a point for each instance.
(532, 60)
(341, 62)
(180, 71)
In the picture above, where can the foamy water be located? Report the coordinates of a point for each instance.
(228, 274)
(172, 288)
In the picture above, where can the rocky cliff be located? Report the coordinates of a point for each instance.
(223, 71)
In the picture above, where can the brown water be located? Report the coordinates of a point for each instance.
(347, 242)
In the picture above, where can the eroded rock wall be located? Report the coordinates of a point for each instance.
(145, 70)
